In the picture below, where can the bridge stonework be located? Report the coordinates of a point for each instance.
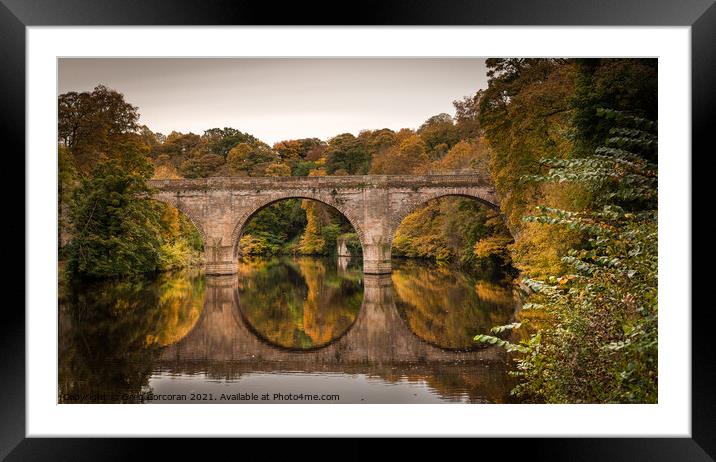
(374, 204)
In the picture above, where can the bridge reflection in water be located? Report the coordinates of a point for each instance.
(378, 345)
(301, 325)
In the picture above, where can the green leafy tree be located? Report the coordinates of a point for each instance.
(284, 217)
(67, 181)
(622, 84)
(220, 141)
(347, 153)
(116, 228)
(249, 160)
(303, 168)
(179, 146)
(439, 134)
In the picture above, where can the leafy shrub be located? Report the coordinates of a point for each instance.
(594, 329)
(178, 254)
(260, 244)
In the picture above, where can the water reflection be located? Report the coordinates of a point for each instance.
(447, 307)
(300, 303)
(283, 325)
(110, 333)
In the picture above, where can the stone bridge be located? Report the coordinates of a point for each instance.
(374, 204)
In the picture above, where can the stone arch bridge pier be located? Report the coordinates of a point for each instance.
(374, 204)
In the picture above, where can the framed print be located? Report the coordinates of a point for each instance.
(425, 221)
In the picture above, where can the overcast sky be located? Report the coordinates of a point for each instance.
(279, 99)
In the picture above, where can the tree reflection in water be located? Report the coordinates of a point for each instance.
(286, 323)
(110, 332)
(300, 303)
(446, 307)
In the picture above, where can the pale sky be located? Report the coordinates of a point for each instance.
(277, 99)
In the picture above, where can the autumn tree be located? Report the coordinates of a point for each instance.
(295, 150)
(219, 141)
(300, 155)
(464, 157)
(467, 116)
(402, 159)
(250, 160)
(152, 140)
(92, 123)
(377, 141)
(178, 147)
(201, 165)
(525, 115)
(277, 169)
(323, 226)
(439, 134)
(164, 169)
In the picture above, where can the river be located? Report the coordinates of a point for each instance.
(301, 329)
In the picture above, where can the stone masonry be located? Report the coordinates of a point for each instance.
(374, 204)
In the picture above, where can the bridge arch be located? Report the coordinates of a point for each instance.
(421, 200)
(259, 205)
(373, 204)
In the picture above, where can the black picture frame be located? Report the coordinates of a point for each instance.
(16, 15)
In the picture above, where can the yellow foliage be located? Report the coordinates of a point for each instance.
(404, 158)
(251, 264)
(170, 220)
(236, 157)
(278, 169)
(418, 234)
(490, 246)
(534, 125)
(166, 172)
(312, 242)
(320, 324)
(464, 157)
(539, 248)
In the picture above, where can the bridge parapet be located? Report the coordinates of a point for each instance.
(321, 182)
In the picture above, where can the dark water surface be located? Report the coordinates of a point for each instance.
(286, 330)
